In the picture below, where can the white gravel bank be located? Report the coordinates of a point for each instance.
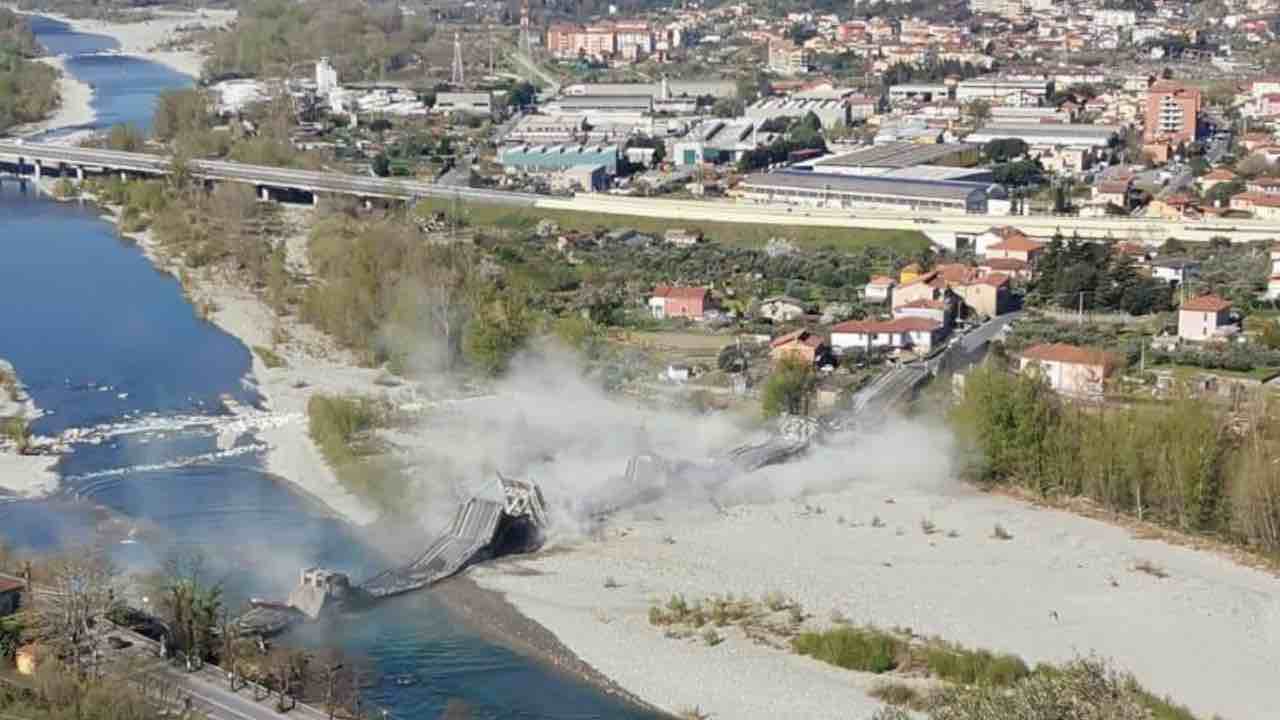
(1208, 634)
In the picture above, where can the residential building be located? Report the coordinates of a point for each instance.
(1015, 246)
(803, 344)
(1014, 268)
(903, 333)
(880, 289)
(679, 302)
(942, 311)
(1117, 190)
(326, 78)
(987, 296)
(1205, 318)
(787, 58)
(1175, 270)
(1070, 369)
(1262, 205)
(1172, 113)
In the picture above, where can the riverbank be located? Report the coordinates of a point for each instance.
(20, 474)
(75, 108)
(899, 550)
(154, 38)
(303, 362)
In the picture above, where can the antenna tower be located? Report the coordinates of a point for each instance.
(458, 77)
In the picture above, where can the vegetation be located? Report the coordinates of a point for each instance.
(854, 648)
(790, 387)
(363, 41)
(1074, 274)
(28, 90)
(269, 357)
(342, 426)
(1085, 688)
(739, 235)
(1176, 463)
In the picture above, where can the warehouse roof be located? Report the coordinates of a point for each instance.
(1047, 133)
(931, 189)
(895, 155)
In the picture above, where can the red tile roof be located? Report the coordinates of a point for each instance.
(1018, 243)
(11, 584)
(897, 325)
(1219, 174)
(1006, 264)
(804, 337)
(882, 280)
(994, 280)
(956, 273)
(1206, 303)
(1071, 354)
(680, 293)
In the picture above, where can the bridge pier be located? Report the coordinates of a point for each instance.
(264, 194)
(80, 173)
(38, 169)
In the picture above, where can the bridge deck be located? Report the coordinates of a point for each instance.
(471, 530)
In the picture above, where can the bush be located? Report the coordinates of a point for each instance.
(269, 357)
(898, 695)
(337, 424)
(968, 667)
(863, 649)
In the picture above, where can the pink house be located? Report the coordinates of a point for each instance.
(679, 302)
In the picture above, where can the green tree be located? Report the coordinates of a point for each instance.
(381, 165)
(502, 323)
(790, 387)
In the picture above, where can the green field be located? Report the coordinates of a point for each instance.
(749, 235)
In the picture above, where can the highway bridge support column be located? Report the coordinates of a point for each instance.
(79, 173)
(264, 194)
(39, 169)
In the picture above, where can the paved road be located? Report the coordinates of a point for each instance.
(1149, 230)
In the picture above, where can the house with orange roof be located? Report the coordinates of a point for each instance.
(1016, 269)
(1263, 206)
(679, 302)
(988, 295)
(879, 289)
(804, 344)
(901, 333)
(1205, 318)
(1069, 369)
(1012, 243)
(1215, 177)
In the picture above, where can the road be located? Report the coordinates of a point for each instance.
(942, 228)
(1148, 230)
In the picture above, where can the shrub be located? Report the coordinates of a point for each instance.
(999, 533)
(1150, 568)
(927, 527)
(864, 649)
(897, 694)
(969, 667)
(711, 637)
(269, 357)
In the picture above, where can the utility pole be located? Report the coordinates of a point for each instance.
(1080, 309)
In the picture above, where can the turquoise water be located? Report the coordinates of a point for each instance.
(100, 336)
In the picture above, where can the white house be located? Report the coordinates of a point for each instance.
(1205, 318)
(880, 289)
(1069, 369)
(781, 308)
(1176, 270)
(916, 333)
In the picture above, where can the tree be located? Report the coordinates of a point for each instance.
(732, 359)
(523, 94)
(180, 112)
(381, 165)
(501, 325)
(190, 605)
(790, 387)
(85, 587)
(125, 138)
(1003, 150)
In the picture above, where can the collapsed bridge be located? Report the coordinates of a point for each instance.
(482, 529)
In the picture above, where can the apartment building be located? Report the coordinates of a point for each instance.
(787, 58)
(1172, 113)
(632, 39)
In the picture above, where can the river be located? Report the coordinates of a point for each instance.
(100, 336)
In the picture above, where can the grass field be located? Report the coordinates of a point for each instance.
(749, 235)
(1261, 374)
